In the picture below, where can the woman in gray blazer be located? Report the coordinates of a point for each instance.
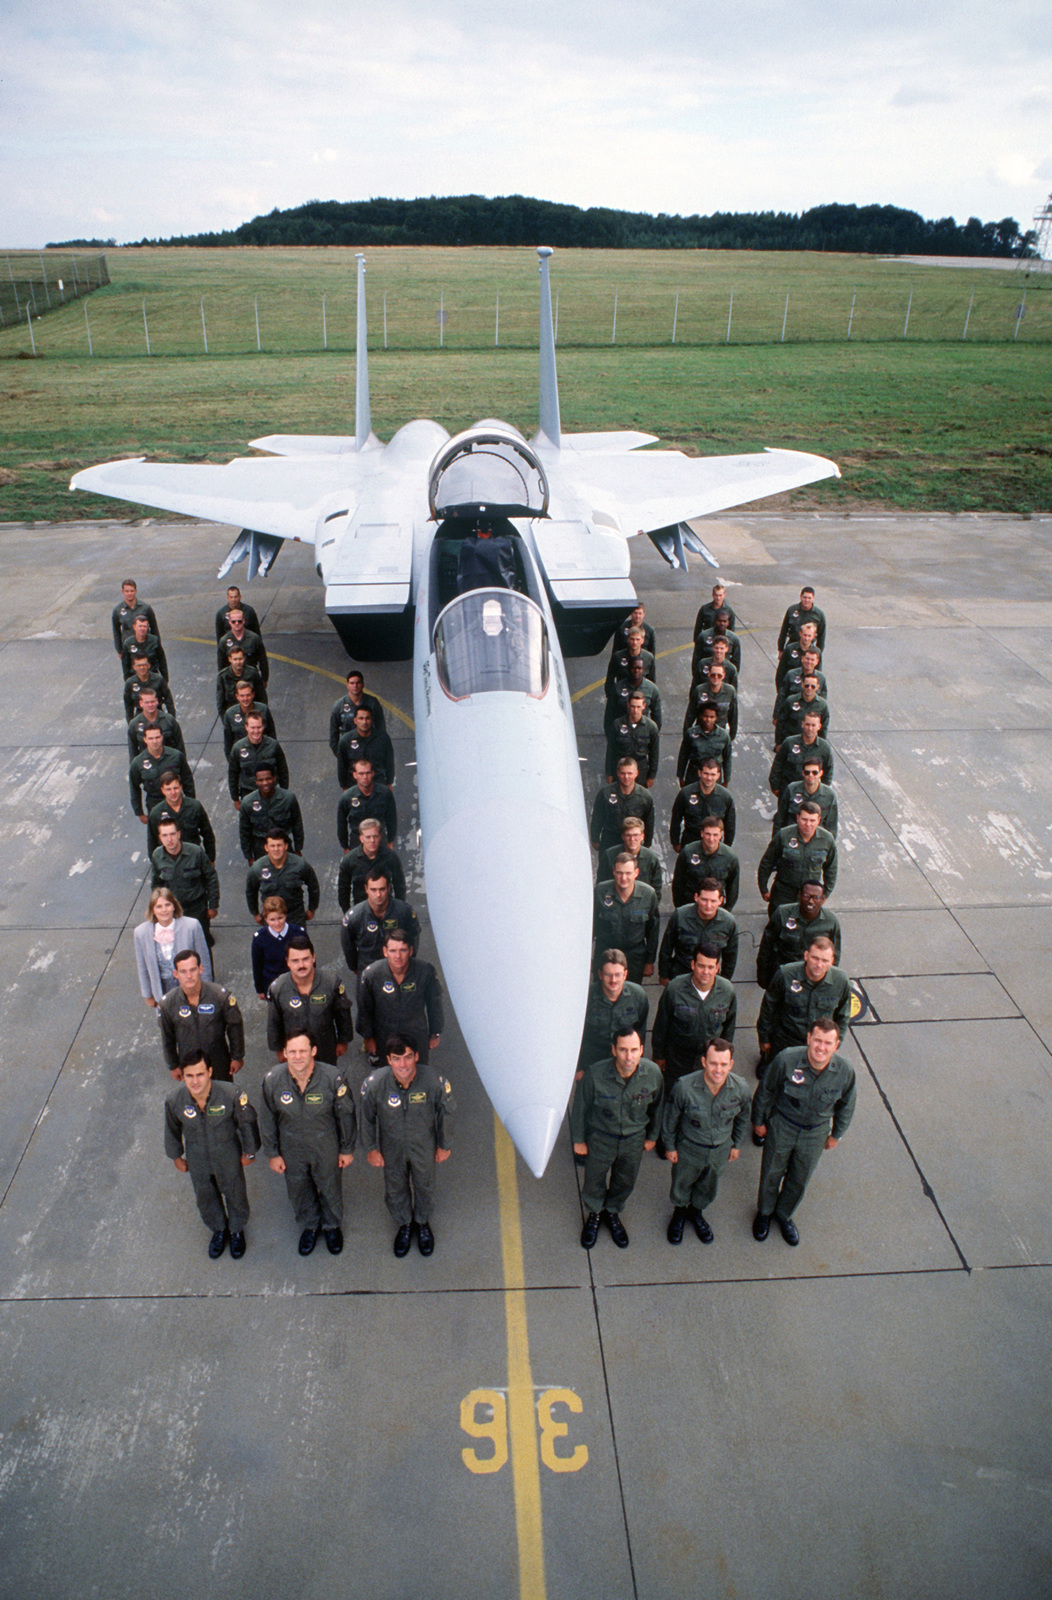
(158, 941)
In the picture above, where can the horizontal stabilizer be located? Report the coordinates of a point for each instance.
(623, 439)
(259, 549)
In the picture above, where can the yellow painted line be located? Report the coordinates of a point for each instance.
(322, 672)
(522, 1422)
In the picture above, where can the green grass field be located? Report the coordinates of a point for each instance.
(927, 421)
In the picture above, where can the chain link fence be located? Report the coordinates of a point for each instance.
(35, 282)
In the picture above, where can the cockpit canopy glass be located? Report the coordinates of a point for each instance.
(492, 639)
(488, 469)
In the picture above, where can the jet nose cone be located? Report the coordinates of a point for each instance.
(533, 1131)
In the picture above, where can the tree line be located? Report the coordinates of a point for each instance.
(518, 220)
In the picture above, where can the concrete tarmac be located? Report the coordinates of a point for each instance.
(866, 1414)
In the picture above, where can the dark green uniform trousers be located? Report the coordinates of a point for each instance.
(315, 1187)
(790, 1156)
(619, 1156)
(696, 1175)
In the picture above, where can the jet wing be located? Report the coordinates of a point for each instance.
(657, 489)
(271, 495)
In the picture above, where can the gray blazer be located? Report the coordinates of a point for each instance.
(188, 936)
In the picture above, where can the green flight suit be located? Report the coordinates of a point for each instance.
(685, 929)
(792, 1002)
(615, 1117)
(212, 1141)
(603, 1018)
(309, 1128)
(703, 1128)
(686, 1021)
(628, 925)
(800, 1108)
(795, 861)
(407, 1125)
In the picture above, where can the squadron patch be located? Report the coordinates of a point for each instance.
(798, 1076)
(286, 1098)
(190, 1111)
(242, 1099)
(796, 987)
(394, 1099)
(342, 1090)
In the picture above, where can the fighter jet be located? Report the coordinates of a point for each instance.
(485, 557)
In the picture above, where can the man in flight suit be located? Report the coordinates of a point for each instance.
(616, 801)
(270, 808)
(797, 1112)
(147, 770)
(234, 603)
(400, 994)
(198, 1017)
(368, 743)
(234, 716)
(150, 715)
(694, 1008)
(280, 872)
(695, 801)
(365, 798)
(125, 612)
(239, 637)
(797, 855)
(625, 917)
(308, 1123)
(797, 994)
(704, 921)
(370, 851)
(341, 718)
(809, 787)
(142, 642)
(366, 926)
(615, 1116)
(613, 1003)
(210, 1131)
(143, 677)
(247, 755)
(177, 806)
(703, 1126)
(407, 1121)
(308, 998)
(791, 927)
(707, 857)
(186, 870)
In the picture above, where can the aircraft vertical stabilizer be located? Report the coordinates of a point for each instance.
(363, 423)
(548, 408)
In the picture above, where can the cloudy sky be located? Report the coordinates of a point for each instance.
(150, 118)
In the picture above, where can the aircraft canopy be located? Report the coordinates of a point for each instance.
(492, 639)
(488, 471)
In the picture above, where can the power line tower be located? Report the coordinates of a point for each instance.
(1042, 240)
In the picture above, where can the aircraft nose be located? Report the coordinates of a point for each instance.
(533, 1131)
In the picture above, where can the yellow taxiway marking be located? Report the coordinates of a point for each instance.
(522, 1428)
(308, 666)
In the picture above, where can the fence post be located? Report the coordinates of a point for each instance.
(613, 335)
(496, 322)
(324, 326)
(43, 269)
(385, 319)
(851, 313)
(204, 330)
(259, 347)
(730, 313)
(29, 325)
(909, 307)
(785, 315)
(1020, 313)
(146, 325)
(87, 325)
(968, 317)
(675, 314)
(442, 320)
